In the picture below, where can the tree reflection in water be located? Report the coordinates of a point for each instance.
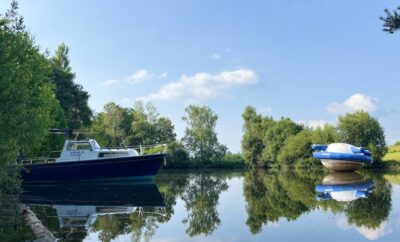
(200, 193)
(269, 197)
(201, 197)
(276, 195)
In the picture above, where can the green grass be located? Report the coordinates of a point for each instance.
(392, 157)
(392, 178)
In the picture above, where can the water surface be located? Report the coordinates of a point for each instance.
(215, 206)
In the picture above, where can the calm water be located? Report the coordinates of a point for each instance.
(215, 206)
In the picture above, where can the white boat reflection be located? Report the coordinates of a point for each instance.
(344, 187)
(79, 205)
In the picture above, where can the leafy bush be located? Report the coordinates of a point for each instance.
(360, 129)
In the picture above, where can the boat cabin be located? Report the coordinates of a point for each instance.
(79, 150)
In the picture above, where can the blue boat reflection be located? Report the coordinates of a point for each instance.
(77, 207)
(344, 187)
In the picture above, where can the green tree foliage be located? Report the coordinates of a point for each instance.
(148, 128)
(391, 21)
(73, 99)
(252, 141)
(360, 129)
(297, 150)
(116, 121)
(275, 136)
(119, 126)
(325, 135)
(177, 155)
(200, 137)
(26, 96)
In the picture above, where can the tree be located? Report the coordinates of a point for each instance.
(326, 135)
(391, 21)
(116, 121)
(276, 135)
(177, 154)
(73, 99)
(252, 141)
(27, 98)
(164, 130)
(148, 128)
(200, 137)
(360, 129)
(297, 149)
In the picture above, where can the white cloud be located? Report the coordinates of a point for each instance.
(163, 75)
(385, 228)
(214, 57)
(203, 85)
(314, 123)
(140, 76)
(109, 82)
(357, 101)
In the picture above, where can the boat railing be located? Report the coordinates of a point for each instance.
(141, 148)
(34, 160)
(53, 155)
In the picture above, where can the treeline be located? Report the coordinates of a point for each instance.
(36, 92)
(267, 142)
(143, 125)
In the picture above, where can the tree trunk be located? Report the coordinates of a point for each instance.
(41, 233)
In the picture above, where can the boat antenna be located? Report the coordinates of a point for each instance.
(68, 133)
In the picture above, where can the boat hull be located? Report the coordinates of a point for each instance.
(342, 165)
(123, 193)
(136, 168)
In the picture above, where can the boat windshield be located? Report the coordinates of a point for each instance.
(95, 145)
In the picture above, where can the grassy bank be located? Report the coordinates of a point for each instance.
(392, 157)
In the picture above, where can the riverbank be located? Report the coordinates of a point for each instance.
(392, 158)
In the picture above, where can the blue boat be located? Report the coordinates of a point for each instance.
(342, 157)
(344, 187)
(85, 160)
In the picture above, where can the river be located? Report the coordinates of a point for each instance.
(213, 206)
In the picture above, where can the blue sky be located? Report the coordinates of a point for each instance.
(309, 60)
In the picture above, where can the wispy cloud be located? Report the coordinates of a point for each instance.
(163, 75)
(109, 82)
(204, 85)
(140, 76)
(214, 56)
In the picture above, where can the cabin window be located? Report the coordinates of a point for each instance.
(79, 146)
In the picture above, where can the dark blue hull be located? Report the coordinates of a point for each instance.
(137, 167)
(124, 193)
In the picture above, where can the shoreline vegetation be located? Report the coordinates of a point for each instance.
(41, 89)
